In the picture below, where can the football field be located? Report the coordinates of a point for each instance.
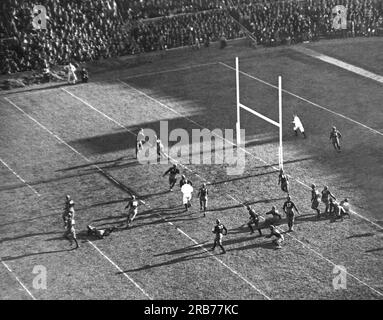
(80, 140)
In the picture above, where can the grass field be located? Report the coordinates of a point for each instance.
(79, 140)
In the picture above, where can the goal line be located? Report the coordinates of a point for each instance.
(271, 121)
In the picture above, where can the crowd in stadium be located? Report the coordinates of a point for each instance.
(93, 29)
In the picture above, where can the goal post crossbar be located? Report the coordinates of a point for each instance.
(277, 124)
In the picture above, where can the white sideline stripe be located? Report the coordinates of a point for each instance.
(230, 142)
(18, 280)
(319, 254)
(164, 218)
(304, 99)
(260, 115)
(240, 202)
(119, 269)
(339, 63)
(98, 168)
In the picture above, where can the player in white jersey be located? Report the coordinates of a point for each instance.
(72, 78)
(298, 126)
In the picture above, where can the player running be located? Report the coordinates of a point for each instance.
(326, 195)
(288, 208)
(202, 195)
(283, 180)
(184, 180)
(132, 206)
(172, 171)
(254, 219)
(298, 126)
(279, 237)
(335, 136)
(315, 199)
(219, 230)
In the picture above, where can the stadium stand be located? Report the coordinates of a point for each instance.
(89, 30)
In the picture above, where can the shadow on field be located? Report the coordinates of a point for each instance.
(375, 250)
(361, 235)
(28, 236)
(243, 178)
(240, 205)
(8, 258)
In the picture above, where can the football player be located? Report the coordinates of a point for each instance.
(288, 208)
(335, 136)
(132, 206)
(100, 233)
(202, 195)
(346, 207)
(276, 233)
(254, 219)
(326, 195)
(219, 230)
(186, 190)
(70, 233)
(283, 180)
(275, 214)
(184, 181)
(298, 126)
(172, 171)
(315, 198)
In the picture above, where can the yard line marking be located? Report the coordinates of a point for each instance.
(319, 254)
(339, 63)
(158, 214)
(18, 280)
(98, 168)
(240, 202)
(20, 178)
(234, 144)
(304, 99)
(119, 269)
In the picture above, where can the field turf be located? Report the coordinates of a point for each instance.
(79, 140)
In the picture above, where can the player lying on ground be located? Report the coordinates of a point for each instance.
(337, 211)
(274, 232)
(100, 233)
(219, 230)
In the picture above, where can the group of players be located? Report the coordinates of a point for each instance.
(332, 208)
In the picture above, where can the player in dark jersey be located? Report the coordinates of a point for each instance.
(254, 220)
(219, 230)
(288, 208)
(326, 195)
(335, 136)
(172, 171)
(275, 214)
(184, 180)
(202, 195)
(315, 199)
(278, 236)
(132, 206)
(100, 233)
(283, 180)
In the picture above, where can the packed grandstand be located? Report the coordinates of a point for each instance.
(92, 29)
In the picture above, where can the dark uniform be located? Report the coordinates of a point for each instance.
(315, 198)
(335, 135)
(326, 195)
(219, 230)
(202, 195)
(254, 219)
(283, 181)
(173, 171)
(288, 208)
(274, 212)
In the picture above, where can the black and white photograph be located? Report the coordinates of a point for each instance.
(187, 156)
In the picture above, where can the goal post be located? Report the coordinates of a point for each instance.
(271, 121)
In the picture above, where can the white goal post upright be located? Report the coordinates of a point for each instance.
(277, 124)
